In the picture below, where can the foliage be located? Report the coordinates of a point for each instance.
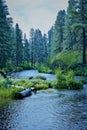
(9, 66)
(67, 81)
(26, 66)
(65, 59)
(41, 86)
(58, 35)
(6, 93)
(43, 68)
(40, 77)
(5, 83)
(19, 68)
(5, 34)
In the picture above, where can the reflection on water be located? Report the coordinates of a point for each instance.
(60, 110)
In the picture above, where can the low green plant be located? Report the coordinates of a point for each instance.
(61, 80)
(26, 65)
(8, 93)
(19, 68)
(67, 81)
(43, 68)
(40, 77)
(41, 86)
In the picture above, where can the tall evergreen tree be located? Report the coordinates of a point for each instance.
(76, 24)
(31, 41)
(58, 32)
(19, 46)
(5, 33)
(38, 44)
(45, 48)
(26, 50)
(50, 37)
(82, 15)
(70, 34)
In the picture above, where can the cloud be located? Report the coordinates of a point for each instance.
(35, 13)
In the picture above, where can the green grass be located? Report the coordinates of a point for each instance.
(9, 93)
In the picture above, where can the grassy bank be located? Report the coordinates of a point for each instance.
(10, 87)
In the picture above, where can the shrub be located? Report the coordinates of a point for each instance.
(19, 69)
(41, 86)
(61, 80)
(26, 66)
(43, 68)
(2, 83)
(67, 81)
(40, 77)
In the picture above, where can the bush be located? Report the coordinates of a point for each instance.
(43, 68)
(9, 66)
(40, 77)
(2, 83)
(61, 80)
(26, 66)
(19, 69)
(67, 81)
(41, 86)
(65, 60)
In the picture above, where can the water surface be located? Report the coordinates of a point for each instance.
(32, 73)
(47, 110)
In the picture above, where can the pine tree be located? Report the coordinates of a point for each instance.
(31, 41)
(5, 34)
(58, 35)
(19, 46)
(50, 37)
(82, 15)
(76, 26)
(70, 35)
(45, 48)
(26, 50)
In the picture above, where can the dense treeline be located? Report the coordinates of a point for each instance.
(70, 29)
(69, 33)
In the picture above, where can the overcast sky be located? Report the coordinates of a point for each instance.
(35, 13)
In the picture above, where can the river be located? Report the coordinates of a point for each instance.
(47, 110)
(32, 73)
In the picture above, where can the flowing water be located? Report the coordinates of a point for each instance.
(32, 73)
(47, 110)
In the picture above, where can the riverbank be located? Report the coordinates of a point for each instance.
(9, 87)
(54, 110)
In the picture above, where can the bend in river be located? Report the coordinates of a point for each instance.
(47, 110)
(32, 73)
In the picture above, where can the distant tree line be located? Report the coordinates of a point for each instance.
(68, 33)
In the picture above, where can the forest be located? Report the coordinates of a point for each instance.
(62, 50)
(65, 39)
(43, 76)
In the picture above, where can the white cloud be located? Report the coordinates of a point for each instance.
(35, 13)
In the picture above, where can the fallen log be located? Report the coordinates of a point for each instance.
(24, 93)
